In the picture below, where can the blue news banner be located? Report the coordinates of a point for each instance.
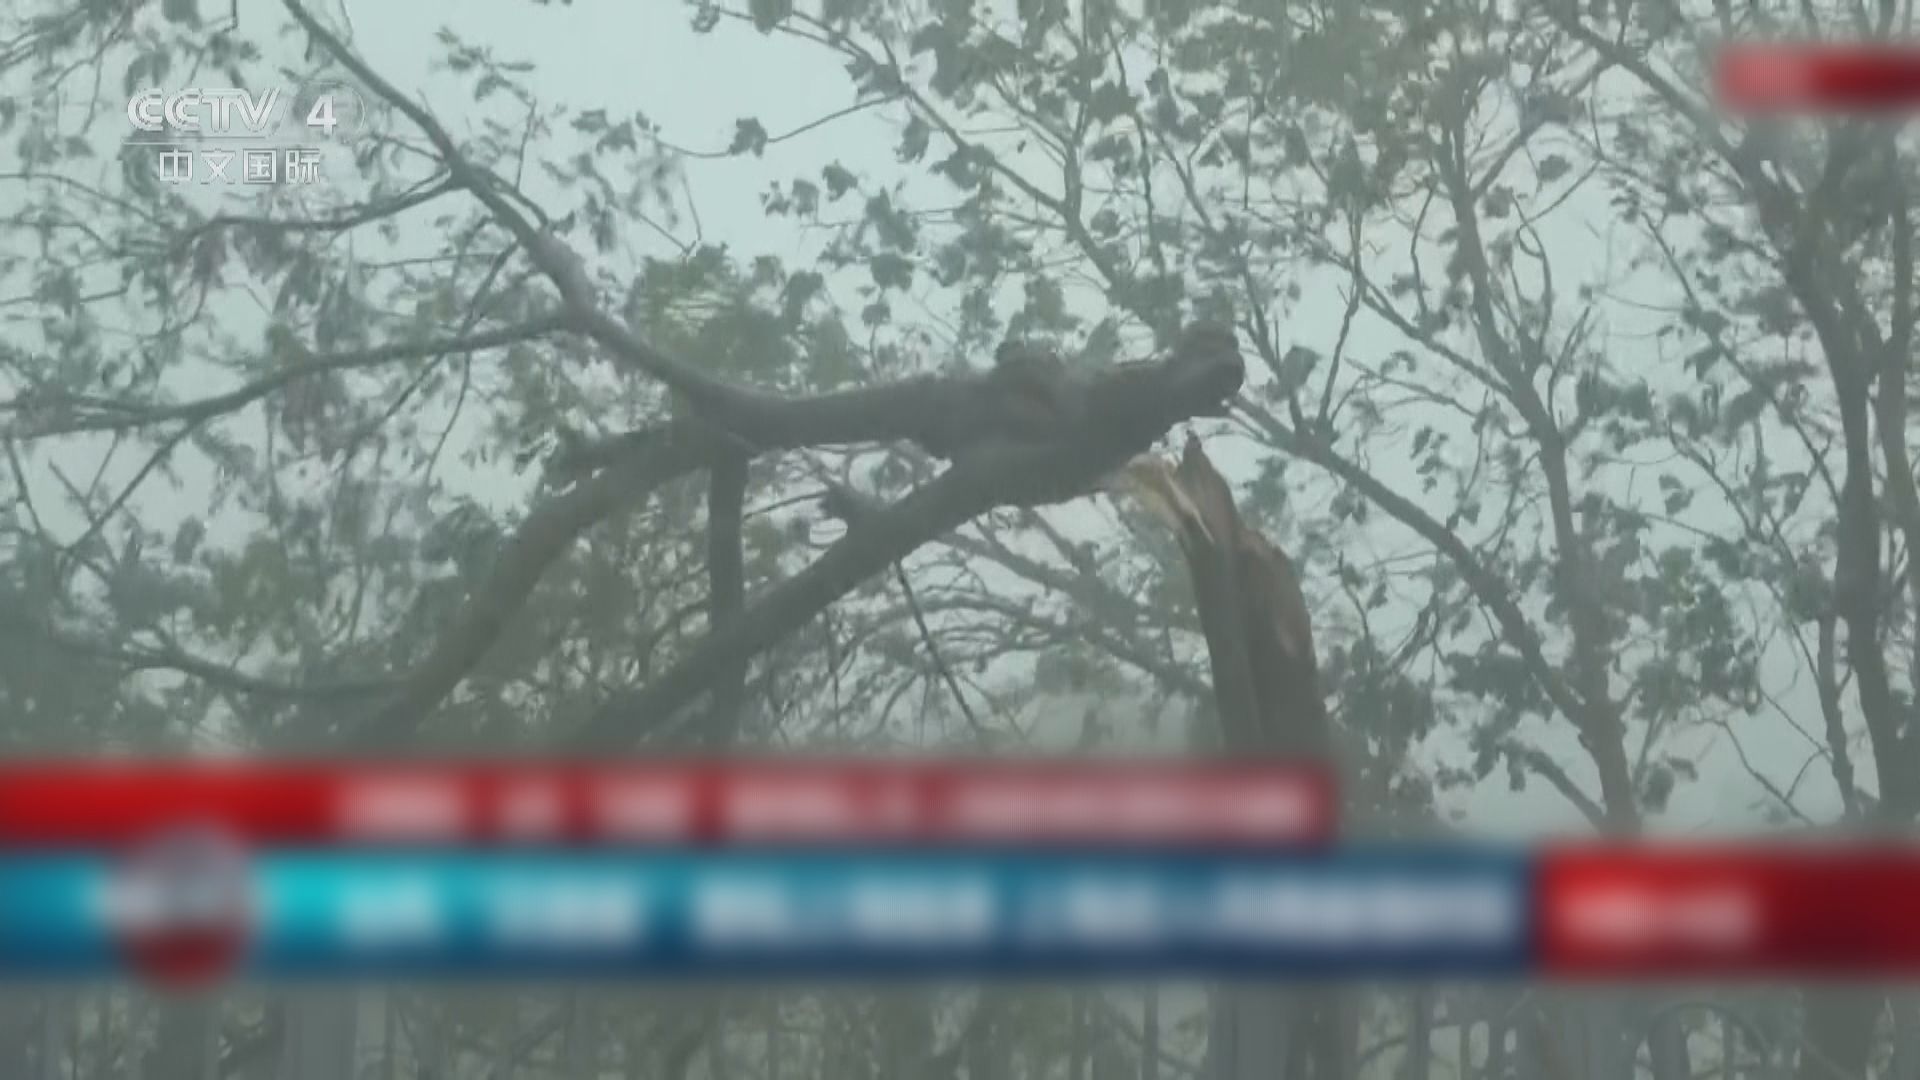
(637, 914)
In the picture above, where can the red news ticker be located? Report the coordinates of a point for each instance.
(1818, 78)
(1844, 909)
(804, 802)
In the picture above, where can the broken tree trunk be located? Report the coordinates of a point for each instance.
(1266, 687)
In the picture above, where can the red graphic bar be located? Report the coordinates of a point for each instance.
(1806, 78)
(1838, 910)
(791, 802)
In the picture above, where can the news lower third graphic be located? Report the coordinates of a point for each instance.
(500, 915)
(740, 802)
(230, 136)
(182, 873)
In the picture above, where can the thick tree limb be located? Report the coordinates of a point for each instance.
(849, 507)
(1005, 452)
(1129, 408)
(540, 540)
(1125, 410)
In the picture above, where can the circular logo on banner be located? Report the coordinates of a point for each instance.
(181, 907)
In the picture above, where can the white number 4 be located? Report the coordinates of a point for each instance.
(321, 115)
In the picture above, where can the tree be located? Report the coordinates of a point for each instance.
(1821, 269)
(364, 590)
(1435, 162)
(1573, 504)
(1266, 685)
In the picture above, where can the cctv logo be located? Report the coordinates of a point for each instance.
(216, 112)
